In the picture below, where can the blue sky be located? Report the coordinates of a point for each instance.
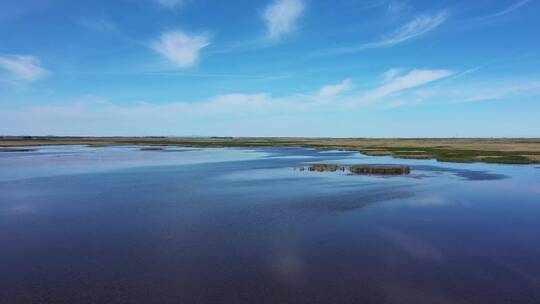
(343, 68)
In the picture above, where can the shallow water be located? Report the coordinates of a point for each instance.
(120, 225)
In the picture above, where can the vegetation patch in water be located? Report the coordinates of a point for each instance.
(325, 168)
(16, 150)
(359, 169)
(383, 170)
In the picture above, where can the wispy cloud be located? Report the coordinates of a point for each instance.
(447, 93)
(170, 3)
(417, 27)
(505, 11)
(254, 114)
(281, 17)
(465, 73)
(414, 78)
(335, 89)
(22, 67)
(487, 93)
(180, 48)
(392, 73)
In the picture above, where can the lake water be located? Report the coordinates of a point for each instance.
(120, 225)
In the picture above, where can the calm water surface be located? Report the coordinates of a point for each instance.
(120, 225)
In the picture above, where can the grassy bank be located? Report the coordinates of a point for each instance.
(504, 151)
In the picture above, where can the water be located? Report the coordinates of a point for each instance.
(120, 225)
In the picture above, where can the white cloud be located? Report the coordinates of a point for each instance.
(180, 48)
(414, 78)
(507, 10)
(335, 89)
(491, 91)
(258, 114)
(281, 17)
(419, 26)
(391, 74)
(466, 92)
(170, 3)
(22, 68)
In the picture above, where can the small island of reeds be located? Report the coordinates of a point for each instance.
(359, 169)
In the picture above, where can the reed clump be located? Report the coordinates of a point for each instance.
(359, 169)
(382, 170)
(325, 167)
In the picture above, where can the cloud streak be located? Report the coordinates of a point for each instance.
(281, 17)
(22, 67)
(180, 48)
(499, 92)
(414, 78)
(506, 11)
(417, 27)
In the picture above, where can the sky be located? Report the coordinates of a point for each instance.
(342, 68)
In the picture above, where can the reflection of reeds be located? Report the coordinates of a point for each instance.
(359, 169)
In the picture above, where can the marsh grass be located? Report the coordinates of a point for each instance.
(505, 151)
(359, 169)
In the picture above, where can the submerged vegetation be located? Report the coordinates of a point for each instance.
(359, 169)
(504, 151)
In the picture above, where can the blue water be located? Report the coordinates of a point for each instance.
(120, 225)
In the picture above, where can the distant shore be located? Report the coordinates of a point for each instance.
(462, 150)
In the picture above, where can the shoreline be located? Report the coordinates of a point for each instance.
(458, 150)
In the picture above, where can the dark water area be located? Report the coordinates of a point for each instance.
(120, 225)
